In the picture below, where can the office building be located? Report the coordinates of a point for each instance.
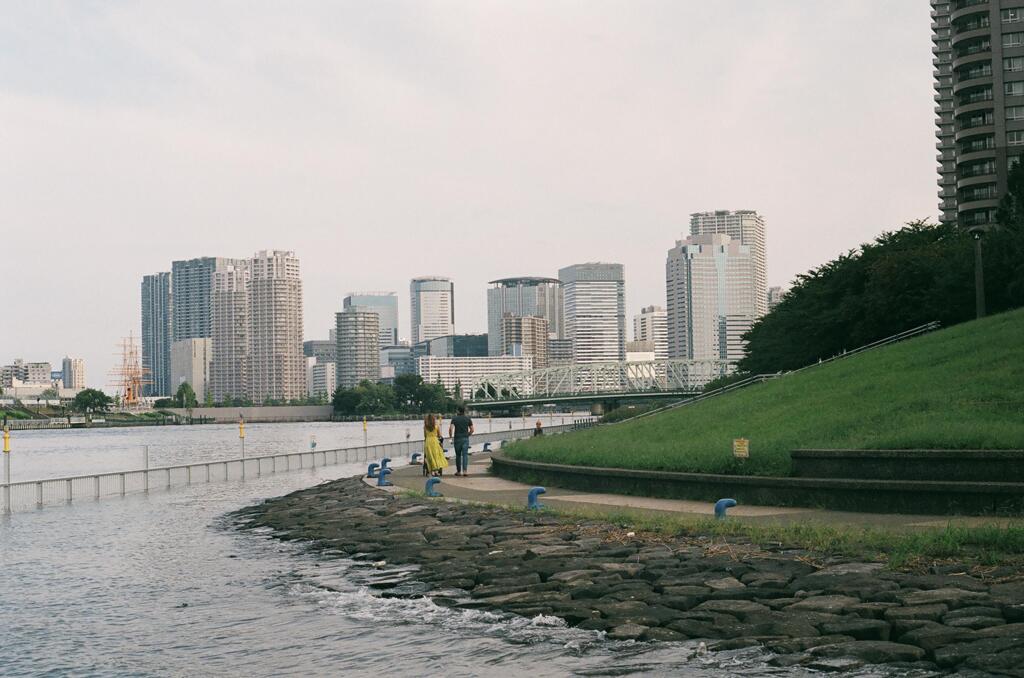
(559, 352)
(775, 295)
(73, 373)
(190, 363)
(358, 350)
(277, 368)
(523, 297)
(385, 305)
(711, 297)
(978, 50)
(324, 350)
(229, 346)
(156, 334)
(459, 374)
(452, 346)
(595, 311)
(433, 308)
(192, 293)
(525, 336)
(396, 361)
(747, 227)
(651, 325)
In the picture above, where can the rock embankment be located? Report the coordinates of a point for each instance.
(806, 608)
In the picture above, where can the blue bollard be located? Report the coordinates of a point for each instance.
(720, 507)
(371, 471)
(431, 492)
(531, 499)
(416, 458)
(487, 447)
(382, 479)
(384, 463)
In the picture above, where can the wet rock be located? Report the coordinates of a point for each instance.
(724, 583)
(662, 635)
(735, 644)
(871, 651)
(973, 612)
(858, 628)
(834, 664)
(593, 625)
(957, 653)
(571, 575)
(1004, 631)
(951, 597)
(627, 632)
(1006, 663)
(792, 645)
(932, 637)
(917, 612)
(974, 622)
(740, 609)
(871, 610)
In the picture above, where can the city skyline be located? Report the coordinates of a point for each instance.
(587, 176)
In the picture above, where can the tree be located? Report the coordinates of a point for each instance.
(185, 396)
(91, 400)
(345, 401)
(406, 387)
(49, 394)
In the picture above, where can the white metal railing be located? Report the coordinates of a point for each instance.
(53, 491)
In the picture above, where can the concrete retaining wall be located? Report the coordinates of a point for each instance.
(259, 414)
(873, 496)
(958, 465)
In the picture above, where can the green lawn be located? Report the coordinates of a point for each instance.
(958, 388)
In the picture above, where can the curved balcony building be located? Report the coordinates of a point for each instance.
(979, 94)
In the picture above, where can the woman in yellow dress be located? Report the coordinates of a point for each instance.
(433, 453)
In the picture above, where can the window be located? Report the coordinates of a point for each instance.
(1015, 138)
(1012, 64)
(1014, 89)
(1015, 112)
(1009, 16)
(1013, 39)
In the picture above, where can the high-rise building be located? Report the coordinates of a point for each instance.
(229, 346)
(73, 373)
(277, 368)
(651, 325)
(452, 346)
(775, 295)
(559, 352)
(433, 308)
(192, 292)
(711, 297)
(358, 335)
(523, 297)
(979, 104)
(525, 336)
(324, 350)
(190, 363)
(748, 227)
(385, 305)
(156, 333)
(595, 311)
(396, 361)
(322, 379)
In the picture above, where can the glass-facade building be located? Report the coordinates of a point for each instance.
(385, 305)
(522, 297)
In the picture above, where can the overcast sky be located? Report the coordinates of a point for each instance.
(477, 140)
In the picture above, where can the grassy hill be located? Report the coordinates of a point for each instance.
(957, 388)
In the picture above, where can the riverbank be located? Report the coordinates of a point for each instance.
(809, 608)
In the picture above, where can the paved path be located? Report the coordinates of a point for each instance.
(480, 486)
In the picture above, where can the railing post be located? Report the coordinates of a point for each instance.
(207, 473)
(188, 475)
(145, 473)
(122, 484)
(71, 491)
(39, 495)
(168, 477)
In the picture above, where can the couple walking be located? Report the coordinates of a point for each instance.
(459, 430)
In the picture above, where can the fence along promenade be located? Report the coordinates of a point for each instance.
(53, 491)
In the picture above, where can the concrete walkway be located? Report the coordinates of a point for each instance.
(480, 486)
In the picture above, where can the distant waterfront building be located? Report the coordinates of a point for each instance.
(277, 368)
(595, 311)
(192, 292)
(385, 305)
(748, 227)
(156, 333)
(453, 346)
(358, 349)
(459, 374)
(432, 308)
(651, 324)
(229, 346)
(711, 297)
(73, 373)
(324, 350)
(190, 362)
(520, 297)
(525, 336)
(21, 373)
(322, 379)
(775, 295)
(396, 361)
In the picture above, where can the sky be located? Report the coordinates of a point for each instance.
(474, 139)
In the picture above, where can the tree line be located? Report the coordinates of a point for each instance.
(409, 394)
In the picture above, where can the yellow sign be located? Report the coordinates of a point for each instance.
(741, 448)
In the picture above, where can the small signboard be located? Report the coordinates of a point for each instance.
(741, 448)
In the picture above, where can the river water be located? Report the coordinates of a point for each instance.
(160, 584)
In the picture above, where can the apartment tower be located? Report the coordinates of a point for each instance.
(979, 104)
(358, 335)
(433, 308)
(156, 333)
(229, 326)
(277, 368)
(73, 373)
(747, 227)
(595, 311)
(651, 325)
(525, 336)
(385, 305)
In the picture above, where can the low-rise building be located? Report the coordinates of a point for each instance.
(458, 374)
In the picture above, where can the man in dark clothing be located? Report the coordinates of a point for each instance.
(459, 430)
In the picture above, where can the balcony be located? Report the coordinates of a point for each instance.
(982, 78)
